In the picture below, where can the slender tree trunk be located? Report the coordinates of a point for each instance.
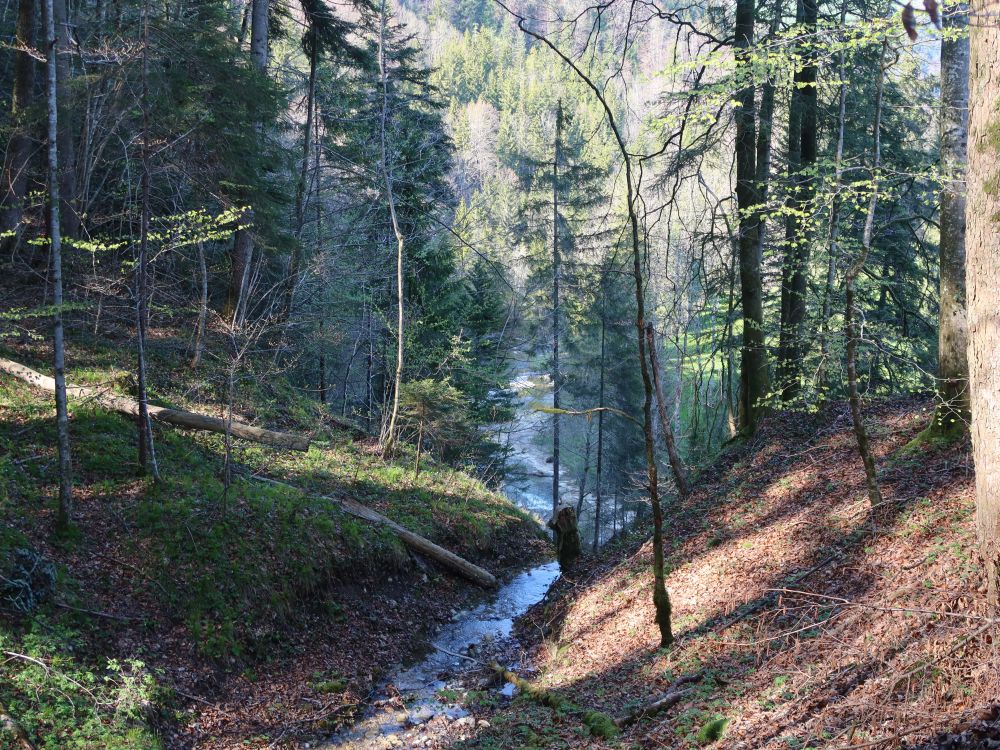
(982, 276)
(850, 326)
(390, 435)
(953, 334)
(556, 378)
(753, 375)
(64, 517)
(600, 426)
(202, 323)
(295, 261)
(833, 227)
(242, 255)
(676, 464)
(147, 449)
(15, 169)
(661, 599)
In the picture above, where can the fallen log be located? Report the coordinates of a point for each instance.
(176, 417)
(667, 700)
(425, 546)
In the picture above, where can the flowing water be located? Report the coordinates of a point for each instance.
(415, 706)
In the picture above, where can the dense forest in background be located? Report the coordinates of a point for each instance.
(672, 221)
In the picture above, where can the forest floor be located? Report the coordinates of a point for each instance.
(181, 614)
(800, 620)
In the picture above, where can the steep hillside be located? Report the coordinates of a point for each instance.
(801, 621)
(183, 614)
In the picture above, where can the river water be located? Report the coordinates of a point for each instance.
(417, 704)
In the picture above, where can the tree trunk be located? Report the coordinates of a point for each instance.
(147, 449)
(953, 335)
(241, 260)
(833, 226)
(850, 327)
(676, 464)
(801, 160)
(69, 219)
(390, 436)
(982, 276)
(301, 202)
(259, 34)
(177, 417)
(600, 425)
(556, 380)
(753, 374)
(64, 517)
(18, 158)
(202, 323)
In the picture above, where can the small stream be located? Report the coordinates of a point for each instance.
(416, 706)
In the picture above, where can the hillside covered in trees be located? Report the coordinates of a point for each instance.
(482, 374)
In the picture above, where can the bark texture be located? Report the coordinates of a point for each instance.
(982, 275)
(754, 381)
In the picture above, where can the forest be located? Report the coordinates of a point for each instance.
(488, 374)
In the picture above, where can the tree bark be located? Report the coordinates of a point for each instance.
(850, 326)
(69, 218)
(177, 417)
(64, 517)
(241, 259)
(753, 373)
(390, 434)
(600, 425)
(556, 379)
(982, 276)
(676, 464)
(802, 148)
(147, 449)
(202, 322)
(18, 158)
(953, 335)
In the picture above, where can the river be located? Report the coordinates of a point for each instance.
(417, 704)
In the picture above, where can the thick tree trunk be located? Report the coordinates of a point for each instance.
(802, 148)
(64, 517)
(556, 378)
(259, 34)
(241, 260)
(753, 375)
(15, 169)
(186, 419)
(982, 276)
(953, 335)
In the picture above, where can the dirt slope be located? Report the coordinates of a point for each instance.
(806, 624)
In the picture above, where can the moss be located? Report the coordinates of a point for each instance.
(713, 730)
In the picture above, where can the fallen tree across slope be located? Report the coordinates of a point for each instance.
(176, 417)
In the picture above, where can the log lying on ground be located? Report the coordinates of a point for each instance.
(665, 701)
(425, 546)
(177, 417)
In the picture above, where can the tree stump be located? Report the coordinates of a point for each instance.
(564, 525)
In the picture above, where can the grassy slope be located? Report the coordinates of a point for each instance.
(218, 581)
(883, 639)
